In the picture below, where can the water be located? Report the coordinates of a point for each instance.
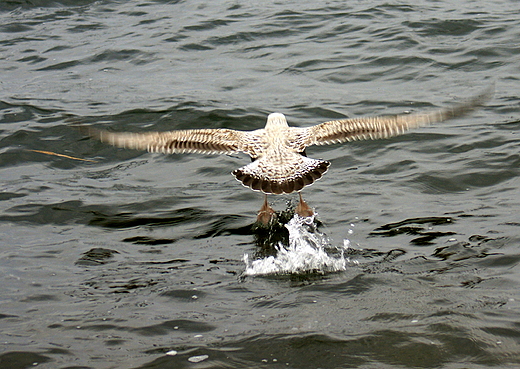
(307, 251)
(136, 260)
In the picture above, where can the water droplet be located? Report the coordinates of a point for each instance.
(308, 251)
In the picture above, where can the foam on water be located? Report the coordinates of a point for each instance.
(309, 251)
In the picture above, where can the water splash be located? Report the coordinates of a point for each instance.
(309, 251)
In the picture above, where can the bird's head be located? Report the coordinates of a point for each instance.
(276, 120)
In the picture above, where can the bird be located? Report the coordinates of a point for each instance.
(278, 151)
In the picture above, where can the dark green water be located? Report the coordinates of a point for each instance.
(128, 259)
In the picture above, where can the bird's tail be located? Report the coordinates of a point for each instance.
(291, 175)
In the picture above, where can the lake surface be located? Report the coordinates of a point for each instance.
(113, 258)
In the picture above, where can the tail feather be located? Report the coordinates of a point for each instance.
(290, 176)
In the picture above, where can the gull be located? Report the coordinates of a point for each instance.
(279, 162)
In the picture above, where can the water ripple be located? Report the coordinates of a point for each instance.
(119, 258)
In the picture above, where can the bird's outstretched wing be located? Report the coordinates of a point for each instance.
(365, 128)
(203, 141)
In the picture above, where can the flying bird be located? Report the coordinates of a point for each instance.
(279, 162)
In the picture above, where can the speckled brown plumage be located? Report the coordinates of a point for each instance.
(279, 164)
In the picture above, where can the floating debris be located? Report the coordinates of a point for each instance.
(198, 359)
(62, 155)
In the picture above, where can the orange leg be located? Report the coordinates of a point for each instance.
(303, 209)
(266, 213)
